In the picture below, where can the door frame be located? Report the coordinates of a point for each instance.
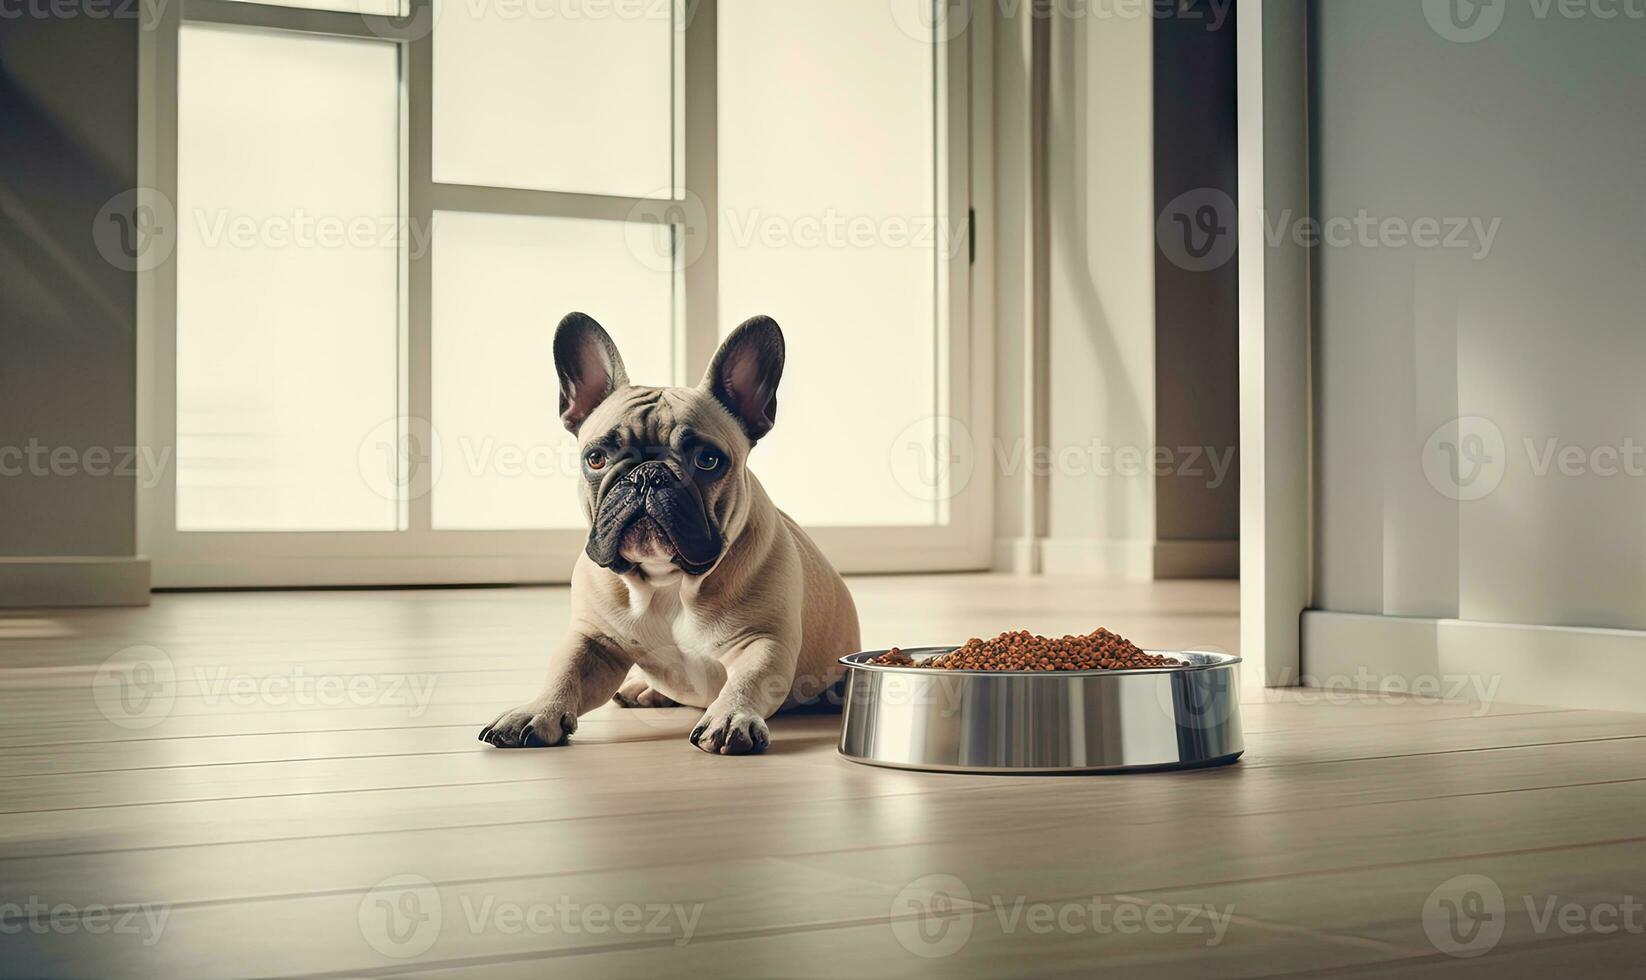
(1276, 316)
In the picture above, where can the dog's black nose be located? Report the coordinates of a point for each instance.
(652, 473)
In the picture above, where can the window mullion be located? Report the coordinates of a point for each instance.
(700, 325)
(547, 204)
(417, 60)
(236, 13)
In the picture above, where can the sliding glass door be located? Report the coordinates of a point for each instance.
(381, 215)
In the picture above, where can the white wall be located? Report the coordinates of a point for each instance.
(1540, 127)
(67, 314)
(1539, 130)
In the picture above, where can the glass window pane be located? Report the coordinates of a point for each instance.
(562, 95)
(287, 278)
(501, 284)
(386, 8)
(827, 196)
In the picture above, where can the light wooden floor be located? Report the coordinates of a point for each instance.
(248, 832)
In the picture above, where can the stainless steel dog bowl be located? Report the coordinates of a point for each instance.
(1042, 722)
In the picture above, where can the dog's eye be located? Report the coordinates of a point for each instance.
(595, 458)
(707, 460)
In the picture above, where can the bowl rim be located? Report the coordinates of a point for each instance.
(853, 662)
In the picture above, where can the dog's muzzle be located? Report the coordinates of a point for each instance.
(652, 490)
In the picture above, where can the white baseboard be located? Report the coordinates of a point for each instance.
(1560, 666)
(73, 581)
(1196, 559)
(1126, 561)
(1138, 561)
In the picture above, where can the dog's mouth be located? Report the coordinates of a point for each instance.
(652, 515)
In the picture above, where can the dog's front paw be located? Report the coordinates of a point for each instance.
(530, 727)
(731, 732)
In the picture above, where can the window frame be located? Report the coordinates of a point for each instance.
(418, 554)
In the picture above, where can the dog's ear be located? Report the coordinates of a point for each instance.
(589, 366)
(744, 374)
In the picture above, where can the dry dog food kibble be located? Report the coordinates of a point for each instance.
(1022, 650)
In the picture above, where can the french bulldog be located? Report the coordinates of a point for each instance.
(693, 588)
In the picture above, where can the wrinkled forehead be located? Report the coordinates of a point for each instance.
(642, 416)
